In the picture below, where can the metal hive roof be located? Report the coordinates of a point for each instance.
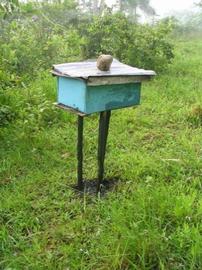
(86, 69)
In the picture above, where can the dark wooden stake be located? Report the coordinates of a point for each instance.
(80, 153)
(102, 141)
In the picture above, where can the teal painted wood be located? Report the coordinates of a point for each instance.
(72, 93)
(90, 99)
(110, 97)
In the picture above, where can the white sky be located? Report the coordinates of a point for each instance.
(164, 7)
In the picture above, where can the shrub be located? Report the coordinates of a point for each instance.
(28, 46)
(143, 46)
(108, 34)
(6, 115)
(195, 116)
(151, 47)
(31, 43)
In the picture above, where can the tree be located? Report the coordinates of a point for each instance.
(130, 7)
(94, 7)
(145, 6)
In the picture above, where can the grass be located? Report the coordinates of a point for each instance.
(152, 221)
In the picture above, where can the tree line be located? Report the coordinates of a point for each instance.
(95, 7)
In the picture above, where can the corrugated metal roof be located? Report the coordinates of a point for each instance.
(87, 69)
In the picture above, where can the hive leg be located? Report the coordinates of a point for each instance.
(102, 141)
(80, 153)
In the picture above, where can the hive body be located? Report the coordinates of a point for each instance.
(88, 99)
(86, 89)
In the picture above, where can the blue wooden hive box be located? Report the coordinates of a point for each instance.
(85, 89)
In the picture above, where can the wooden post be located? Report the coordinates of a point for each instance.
(80, 153)
(102, 141)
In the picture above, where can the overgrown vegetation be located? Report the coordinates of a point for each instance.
(153, 219)
(40, 35)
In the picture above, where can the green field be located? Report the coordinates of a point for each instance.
(153, 220)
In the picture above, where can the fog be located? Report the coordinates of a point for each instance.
(164, 8)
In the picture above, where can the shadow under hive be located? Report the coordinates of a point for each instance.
(83, 89)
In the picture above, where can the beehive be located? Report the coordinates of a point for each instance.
(84, 88)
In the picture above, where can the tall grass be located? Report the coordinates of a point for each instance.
(153, 219)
